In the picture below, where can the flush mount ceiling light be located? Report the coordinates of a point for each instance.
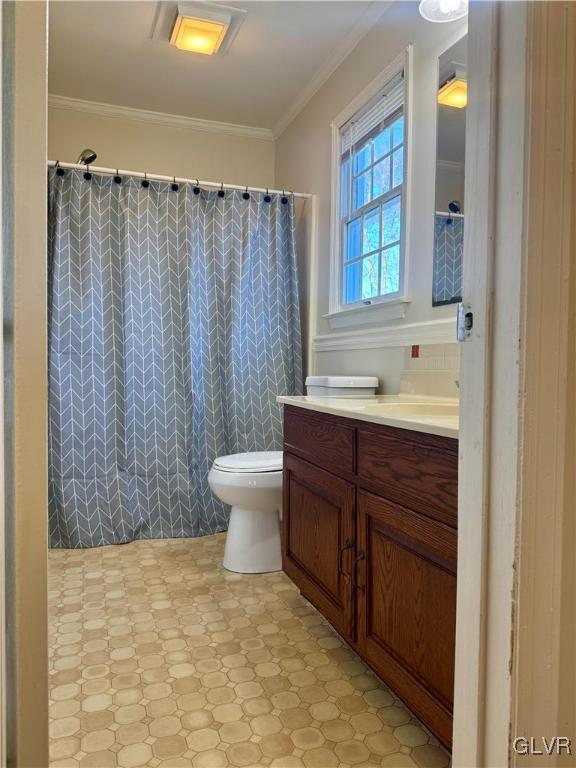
(439, 11)
(198, 35)
(204, 27)
(454, 93)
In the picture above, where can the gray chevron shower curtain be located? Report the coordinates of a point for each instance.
(173, 325)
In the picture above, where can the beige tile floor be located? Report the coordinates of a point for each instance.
(160, 657)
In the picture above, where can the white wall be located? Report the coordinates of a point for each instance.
(165, 149)
(449, 185)
(303, 156)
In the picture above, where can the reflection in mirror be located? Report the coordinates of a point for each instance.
(451, 140)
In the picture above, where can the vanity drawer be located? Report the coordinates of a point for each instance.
(415, 470)
(326, 441)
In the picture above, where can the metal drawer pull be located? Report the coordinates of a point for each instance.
(347, 545)
(361, 556)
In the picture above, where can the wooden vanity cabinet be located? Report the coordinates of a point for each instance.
(407, 606)
(369, 537)
(318, 539)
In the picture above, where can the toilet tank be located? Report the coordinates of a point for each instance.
(341, 386)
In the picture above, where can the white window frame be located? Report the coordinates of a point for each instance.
(379, 308)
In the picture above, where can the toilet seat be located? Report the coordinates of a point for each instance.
(255, 462)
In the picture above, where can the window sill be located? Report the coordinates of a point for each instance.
(371, 314)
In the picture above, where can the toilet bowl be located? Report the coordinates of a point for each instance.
(252, 484)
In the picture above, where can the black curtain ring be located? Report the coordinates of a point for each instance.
(221, 192)
(246, 194)
(117, 177)
(267, 198)
(145, 182)
(174, 187)
(283, 199)
(87, 174)
(59, 171)
(196, 189)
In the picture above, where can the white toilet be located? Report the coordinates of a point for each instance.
(252, 484)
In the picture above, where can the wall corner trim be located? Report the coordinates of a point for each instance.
(441, 331)
(115, 111)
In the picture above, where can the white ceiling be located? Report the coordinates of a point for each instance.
(104, 52)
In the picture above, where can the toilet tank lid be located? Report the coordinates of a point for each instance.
(255, 461)
(341, 381)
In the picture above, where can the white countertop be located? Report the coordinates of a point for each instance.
(434, 415)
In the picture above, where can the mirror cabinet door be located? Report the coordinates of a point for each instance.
(450, 151)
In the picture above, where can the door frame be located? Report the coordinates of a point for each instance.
(2, 513)
(490, 460)
(515, 616)
(544, 664)
(24, 87)
(475, 390)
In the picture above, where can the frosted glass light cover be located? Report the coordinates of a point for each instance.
(197, 35)
(439, 11)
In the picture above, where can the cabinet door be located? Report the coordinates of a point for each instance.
(407, 606)
(318, 515)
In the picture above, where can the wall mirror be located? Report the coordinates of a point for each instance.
(450, 203)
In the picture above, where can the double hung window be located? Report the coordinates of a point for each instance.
(372, 161)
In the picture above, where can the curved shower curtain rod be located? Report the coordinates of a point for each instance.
(176, 179)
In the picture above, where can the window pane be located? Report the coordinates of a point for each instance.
(381, 177)
(370, 276)
(354, 239)
(370, 204)
(352, 282)
(398, 132)
(362, 190)
(382, 143)
(391, 218)
(344, 187)
(362, 158)
(390, 276)
(371, 239)
(398, 167)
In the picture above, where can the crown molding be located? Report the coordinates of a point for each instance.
(375, 11)
(116, 112)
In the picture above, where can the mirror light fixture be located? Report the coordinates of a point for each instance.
(439, 11)
(454, 93)
(202, 27)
